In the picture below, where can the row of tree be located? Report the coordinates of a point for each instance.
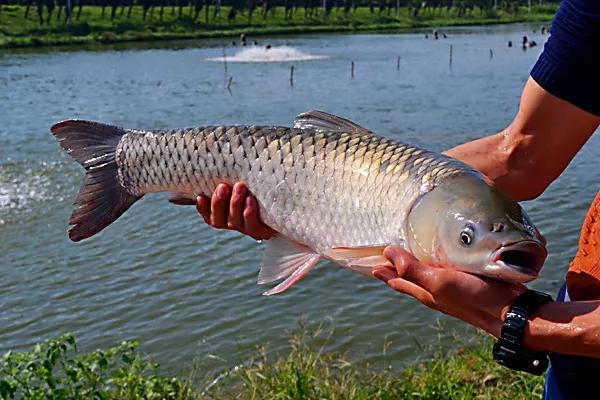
(66, 10)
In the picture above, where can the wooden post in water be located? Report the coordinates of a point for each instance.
(491, 54)
(292, 75)
(225, 64)
(398, 64)
(352, 70)
(228, 85)
(450, 61)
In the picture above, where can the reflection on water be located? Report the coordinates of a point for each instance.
(158, 274)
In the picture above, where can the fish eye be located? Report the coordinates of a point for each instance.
(466, 235)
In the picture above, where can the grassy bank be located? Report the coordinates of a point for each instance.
(91, 27)
(56, 370)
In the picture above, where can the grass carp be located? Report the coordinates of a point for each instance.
(331, 188)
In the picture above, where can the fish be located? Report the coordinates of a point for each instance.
(331, 188)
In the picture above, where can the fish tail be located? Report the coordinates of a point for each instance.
(102, 199)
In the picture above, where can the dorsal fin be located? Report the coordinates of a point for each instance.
(322, 121)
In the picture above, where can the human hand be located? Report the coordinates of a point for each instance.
(478, 301)
(234, 208)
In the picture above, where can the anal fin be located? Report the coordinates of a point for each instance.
(285, 258)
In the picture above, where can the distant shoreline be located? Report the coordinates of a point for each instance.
(16, 31)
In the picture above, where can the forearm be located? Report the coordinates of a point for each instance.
(533, 151)
(567, 328)
(490, 155)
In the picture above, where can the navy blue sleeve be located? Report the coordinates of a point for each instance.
(569, 66)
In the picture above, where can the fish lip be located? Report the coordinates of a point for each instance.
(530, 253)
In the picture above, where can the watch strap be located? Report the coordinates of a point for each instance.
(509, 350)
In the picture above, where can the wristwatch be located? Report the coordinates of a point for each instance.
(508, 350)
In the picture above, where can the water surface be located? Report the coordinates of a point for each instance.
(184, 290)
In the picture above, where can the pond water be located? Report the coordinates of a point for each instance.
(159, 274)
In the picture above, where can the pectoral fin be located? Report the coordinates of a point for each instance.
(285, 258)
(359, 259)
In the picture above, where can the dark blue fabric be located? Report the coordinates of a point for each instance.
(569, 66)
(571, 377)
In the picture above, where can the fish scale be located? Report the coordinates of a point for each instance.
(322, 189)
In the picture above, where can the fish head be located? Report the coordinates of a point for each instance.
(469, 225)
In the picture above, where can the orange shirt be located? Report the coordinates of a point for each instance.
(583, 277)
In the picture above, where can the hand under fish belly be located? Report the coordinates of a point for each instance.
(331, 188)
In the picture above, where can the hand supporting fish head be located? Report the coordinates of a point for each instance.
(468, 225)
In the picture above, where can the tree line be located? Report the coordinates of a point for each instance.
(67, 10)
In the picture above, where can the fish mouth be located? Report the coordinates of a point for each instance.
(526, 258)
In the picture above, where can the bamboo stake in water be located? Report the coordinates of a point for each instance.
(229, 81)
(292, 75)
(491, 54)
(450, 55)
(398, 64)
(352, 70)
(225, 64)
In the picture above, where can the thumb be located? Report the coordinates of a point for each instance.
(411, 269)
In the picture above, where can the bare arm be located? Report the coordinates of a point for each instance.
(566, 328)
(533, 151)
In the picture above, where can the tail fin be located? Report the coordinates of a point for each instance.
(102, 199)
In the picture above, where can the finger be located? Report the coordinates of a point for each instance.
(203, 207)
(252, 223)
(384, 273)
(399, 257)
(410, 269)
(455, 290)
(477, 318)
(236, 207)
(413, 290)
(219, 206)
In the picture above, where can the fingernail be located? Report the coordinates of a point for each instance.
(382, 274)
(237, 189)
(378, 274)
(390, 252)
(248, 202)
(222, 190)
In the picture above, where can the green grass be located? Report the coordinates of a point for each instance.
(307, 372)
(91, 27)
(57, 370)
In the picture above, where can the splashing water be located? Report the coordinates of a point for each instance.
(273, 54)
(25, 185)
